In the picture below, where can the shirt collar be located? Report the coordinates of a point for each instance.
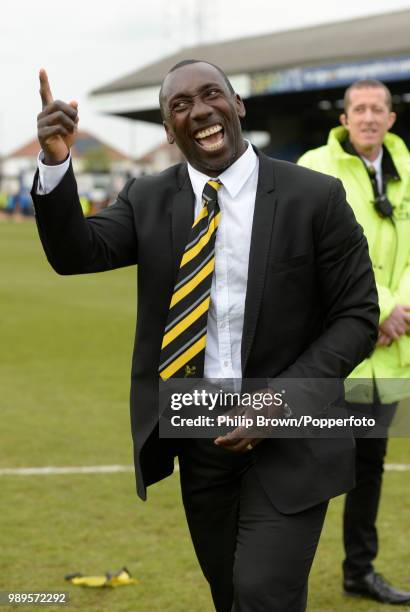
(377, 163)
(232, 179)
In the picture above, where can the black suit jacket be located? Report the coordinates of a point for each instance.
(311, 304)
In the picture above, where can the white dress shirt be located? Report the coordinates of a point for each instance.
(236, 200)
(50, 176)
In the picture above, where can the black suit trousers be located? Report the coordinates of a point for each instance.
(254, 557)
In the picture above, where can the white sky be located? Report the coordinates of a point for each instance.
(84, 44)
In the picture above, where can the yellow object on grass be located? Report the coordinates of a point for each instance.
(121, 578)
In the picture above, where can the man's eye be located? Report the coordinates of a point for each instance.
(212, 92)
(181, 105)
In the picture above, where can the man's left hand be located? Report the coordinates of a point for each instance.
(383, 339)
(241, 439)
(397, 323)
(235, 442)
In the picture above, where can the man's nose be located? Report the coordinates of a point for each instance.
(200, 109)
(368, 114)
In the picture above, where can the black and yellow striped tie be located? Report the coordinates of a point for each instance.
(183, 345)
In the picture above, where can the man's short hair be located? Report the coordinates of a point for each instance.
(185, 63)
(365, 84)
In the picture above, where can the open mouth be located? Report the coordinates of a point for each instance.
(211, 138)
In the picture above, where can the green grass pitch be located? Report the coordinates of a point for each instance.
(64, 374)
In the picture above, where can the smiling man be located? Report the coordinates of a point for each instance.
(217, 146)
(229, 246)
(374, 167)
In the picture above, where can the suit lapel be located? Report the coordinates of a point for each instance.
(182, 217)
(263, 217)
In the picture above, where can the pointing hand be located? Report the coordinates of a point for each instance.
(56, 124)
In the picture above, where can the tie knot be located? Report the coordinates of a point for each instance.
(371, 170)
(210, 192)
(215, 183)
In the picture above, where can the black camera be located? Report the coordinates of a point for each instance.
(383, 206)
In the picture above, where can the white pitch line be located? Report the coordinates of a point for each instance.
(113, 469)
(397, 467)
(45, 471)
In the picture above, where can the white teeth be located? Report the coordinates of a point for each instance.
(209, 131)
(215, 146)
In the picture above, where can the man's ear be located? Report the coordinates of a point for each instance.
(240, 106)
(169, 133)
(343, 119)
(392, 119)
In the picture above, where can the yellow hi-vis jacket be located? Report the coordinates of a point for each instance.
(389, 248)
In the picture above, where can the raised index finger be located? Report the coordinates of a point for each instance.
(45, 91)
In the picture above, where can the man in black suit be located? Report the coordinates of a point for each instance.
(292, 297)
